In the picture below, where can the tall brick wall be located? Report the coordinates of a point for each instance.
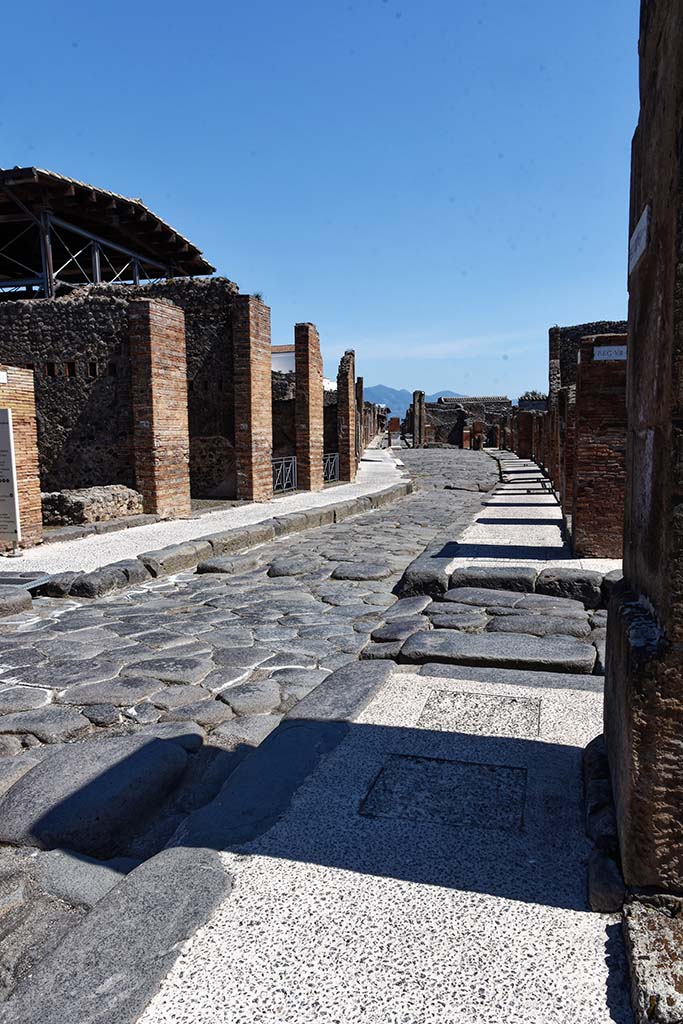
(567, 430)
(346, 416)
(644, 677)
(159, 393)
(600, 461)
(18, 395)
(309, 407)
(253, 402)
(525, 424)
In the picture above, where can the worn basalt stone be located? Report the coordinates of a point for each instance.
(653, 931)
(577, 584)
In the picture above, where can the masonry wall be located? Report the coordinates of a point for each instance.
(600, 461)
(330, 437)
(284, 414)
(78, 350)
(563, 348)
(208, 307)
(18, 395)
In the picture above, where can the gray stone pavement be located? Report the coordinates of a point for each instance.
(120, 717)
(202, 770)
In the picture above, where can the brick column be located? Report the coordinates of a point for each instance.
(253, 398)
(418, 419)
(466, 438)
(346, 416)
(360, 420)
(308, 408)
(159, 392)
(17, 393)
(600, 460)
(644, 678)
(525, 427)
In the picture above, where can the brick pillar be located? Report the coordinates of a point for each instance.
(308, 408)
(253, 398)
(600, 460)
(159, 391)
(17, 393)
(466, 438)
(644, 678)
(418, 419)
(525, 427)
(360, 419)
(567, 450)
(346, 416)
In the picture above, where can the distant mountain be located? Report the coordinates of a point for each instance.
(398, 400)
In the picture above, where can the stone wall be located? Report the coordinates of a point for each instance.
(77, 348)
(599, 465)
(563, 349)
(17, 394)
(284, 414)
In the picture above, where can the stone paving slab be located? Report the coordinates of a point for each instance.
(505, 651)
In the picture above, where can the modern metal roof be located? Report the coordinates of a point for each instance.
(120, 220)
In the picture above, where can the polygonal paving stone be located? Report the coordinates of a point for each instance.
(472, 623)
(407, 606)
(293, 566)
(85, 795)
(379, 650)
(49, 724)
(249, 730)
(207, 713)
(505, 650)
(483, 597)
(123, 691)
(170, 669)
(362, 571)
(22, 698)
(400, 629)
(242, 657)
(253, 698)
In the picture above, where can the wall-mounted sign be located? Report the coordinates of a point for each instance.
(606, 352)
(640, 239)
(10, 526)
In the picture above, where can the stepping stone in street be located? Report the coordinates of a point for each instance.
(474, 622)
(507, 651)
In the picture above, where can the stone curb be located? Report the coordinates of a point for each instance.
(107, 968)
(260, 790)
(109, 579)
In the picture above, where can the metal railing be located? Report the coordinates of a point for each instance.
(284, 474)
(331, 467)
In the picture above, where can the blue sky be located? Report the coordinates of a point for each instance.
(433, 184)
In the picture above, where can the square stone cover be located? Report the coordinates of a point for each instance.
(481, 714)
(430, 789)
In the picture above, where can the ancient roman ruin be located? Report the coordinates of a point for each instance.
(309, 711)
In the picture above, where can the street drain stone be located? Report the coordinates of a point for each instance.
(425, 789)
(481, 714)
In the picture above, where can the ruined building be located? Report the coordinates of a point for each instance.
(146, 374)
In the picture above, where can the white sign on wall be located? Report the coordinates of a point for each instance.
(639, 240)
(10, 526)
(604, 352)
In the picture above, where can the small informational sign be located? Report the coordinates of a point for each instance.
(640, 240)
(606, 352)
(10, 526)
